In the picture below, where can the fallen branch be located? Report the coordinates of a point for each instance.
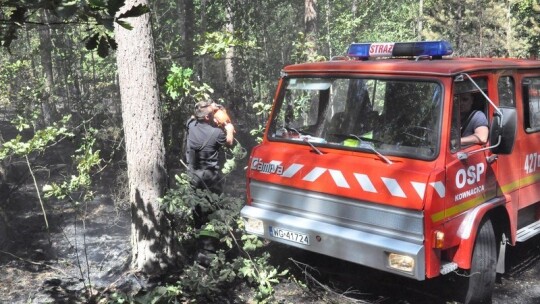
(37, 263)
(305, 268)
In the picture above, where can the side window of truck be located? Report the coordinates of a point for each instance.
(467, 100)
(531, 104)
(506, 92)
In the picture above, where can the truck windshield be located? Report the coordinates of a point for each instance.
(389, 116)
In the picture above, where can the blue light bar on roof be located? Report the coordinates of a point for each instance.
(435, 49)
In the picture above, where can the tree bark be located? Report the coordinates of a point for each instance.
(420, 20)
(145, 150)
(229, 56)
(310, 19)
(45, 48)
(189, 32)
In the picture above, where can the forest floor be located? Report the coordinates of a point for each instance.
(40, 265)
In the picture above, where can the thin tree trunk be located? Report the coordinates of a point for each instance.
(145, 150)
(45, 47)
(420, 20)
(189, 33)
(229, 68)
(310, 19)
(202, 29)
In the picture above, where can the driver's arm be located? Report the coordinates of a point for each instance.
(480, 136)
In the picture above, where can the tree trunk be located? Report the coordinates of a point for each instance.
(420, 20)
(145, 150)
(310, 19)
(229, 56)
(45, 48)
(189, 33)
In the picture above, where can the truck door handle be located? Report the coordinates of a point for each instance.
(490, 159)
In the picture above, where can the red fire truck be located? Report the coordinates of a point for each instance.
(362, 159)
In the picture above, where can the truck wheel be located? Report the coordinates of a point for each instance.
(480, 280)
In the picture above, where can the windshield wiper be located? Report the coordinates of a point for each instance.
(370, 147)
(312, 146)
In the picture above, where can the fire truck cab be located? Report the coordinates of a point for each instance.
(364, 159)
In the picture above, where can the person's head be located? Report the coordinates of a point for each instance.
(204, 110)
(465, 102)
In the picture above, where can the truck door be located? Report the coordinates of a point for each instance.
(470, 176)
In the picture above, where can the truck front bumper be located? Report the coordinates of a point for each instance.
(369, 247)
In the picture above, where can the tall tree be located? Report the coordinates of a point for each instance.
(229, 56)
(189, 32)
(310, 19)
(45, 49)
(145, 149)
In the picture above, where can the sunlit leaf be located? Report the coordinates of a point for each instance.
(124, 24)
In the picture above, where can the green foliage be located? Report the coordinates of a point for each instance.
(264, 277)
(40, 141)
(179, 84)
(86, 160)
(484, 28)
(262, 110)
(302, 50)
(219, 43)
(99, 14)
(237, 152)
(226, 269)
(9, 71)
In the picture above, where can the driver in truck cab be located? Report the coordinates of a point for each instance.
(474, 124)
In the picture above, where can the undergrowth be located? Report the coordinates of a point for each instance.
(238, 261)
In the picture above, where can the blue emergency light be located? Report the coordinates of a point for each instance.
(435, 49)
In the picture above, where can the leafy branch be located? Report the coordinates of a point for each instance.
(41, 140)
(100, 15)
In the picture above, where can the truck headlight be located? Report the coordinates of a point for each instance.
(401, 262)
(254, 225)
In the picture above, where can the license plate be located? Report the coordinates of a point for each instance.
(289, 235)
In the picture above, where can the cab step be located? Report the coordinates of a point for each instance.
(528, 231)
(448, 267)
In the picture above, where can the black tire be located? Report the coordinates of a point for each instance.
(480, 280)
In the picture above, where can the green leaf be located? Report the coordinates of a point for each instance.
(135, 11)
(124, 24)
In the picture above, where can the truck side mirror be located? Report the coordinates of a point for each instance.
(503, 131)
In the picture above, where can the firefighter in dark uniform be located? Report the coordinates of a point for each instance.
(207, 133)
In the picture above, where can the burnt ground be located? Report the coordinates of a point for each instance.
(36, 270)
(350, 283)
